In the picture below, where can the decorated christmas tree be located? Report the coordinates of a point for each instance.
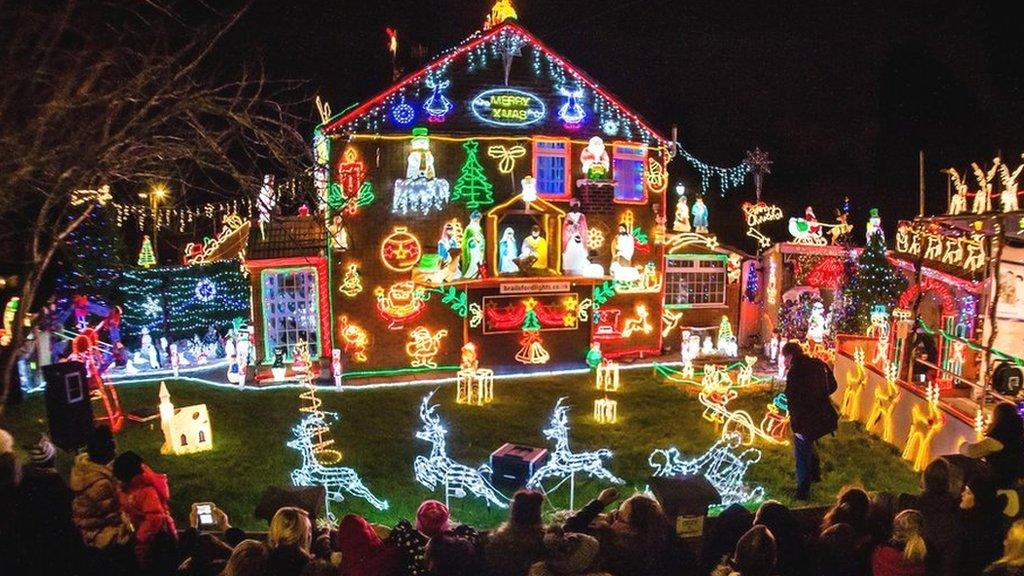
(841, 312)
(90, 258)
(472, 186)
(146, 257)
(876, 282)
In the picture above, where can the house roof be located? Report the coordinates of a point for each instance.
(460, 52)
(286, 237)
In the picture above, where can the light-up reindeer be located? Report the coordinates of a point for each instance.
(458, 480)
(721, 465)
(1010, 186)
(334, 479)
(887, 395)
(958, 201)
(855, 380)
(564, 463)
(926, 421)
(983, 197)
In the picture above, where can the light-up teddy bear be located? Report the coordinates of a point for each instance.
(816, 324)
(421, 160)
(594, 159)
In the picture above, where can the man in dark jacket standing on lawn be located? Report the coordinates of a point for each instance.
(809, 383)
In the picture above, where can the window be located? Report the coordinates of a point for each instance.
(184, 440)
(628, 161)
(290, 310)
(695, 281)
(202, 436)
(551, 168)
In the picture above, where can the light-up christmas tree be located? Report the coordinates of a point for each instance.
(472, 186)
(876, 281)
(90, 258)
(531, 349)
(146, 257)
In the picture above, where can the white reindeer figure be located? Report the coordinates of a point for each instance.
(983, 198)
(1011, 186)
(458, 480)
(564, 463)
(958, 201)
(334, 479)
(721, 465)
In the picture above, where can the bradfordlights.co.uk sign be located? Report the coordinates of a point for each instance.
(508, 107)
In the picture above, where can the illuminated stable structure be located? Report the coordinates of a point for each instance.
(498, 196)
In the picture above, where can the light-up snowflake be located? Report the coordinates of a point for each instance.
(205, 290)
(151, 307)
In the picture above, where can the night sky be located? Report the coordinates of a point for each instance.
(843, 97)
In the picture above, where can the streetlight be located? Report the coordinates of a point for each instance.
(156, 196)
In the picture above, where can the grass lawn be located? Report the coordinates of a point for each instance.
(376, 427)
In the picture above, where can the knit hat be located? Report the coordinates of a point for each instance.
(524, 509)
(6, 442)
(42, 453)
(432, 517)
(570, 553)
(755, 551)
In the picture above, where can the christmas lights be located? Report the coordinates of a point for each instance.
(506, 157)
(146, 258)
(607, 376)
(531, 349)
(721, 465)
(474, 385)
(508, 107)
(728, 178)
(351, 285)
(472, 186)
(438, 469)
(967, 253)
(657, 176)
(400, 251)
(886, 397)
(400, 304)
(1011, 187)
(403, 114)
(983, 197)
(572, 113)
(757, 214)
(776, 418)
(355, 338)
(606, 411)
(926, 420)
(637, 324)
(564, 463)
(849, 408)
(437, 106)
(423, 346)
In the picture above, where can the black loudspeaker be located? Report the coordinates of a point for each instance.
(513, 464)
(68, 408)
(308, 498)
(687, 495)
(1007, 379)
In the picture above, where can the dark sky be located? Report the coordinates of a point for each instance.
(842, 94)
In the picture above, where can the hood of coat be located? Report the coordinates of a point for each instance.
(356, 539)
(151, 479)
(85, 473)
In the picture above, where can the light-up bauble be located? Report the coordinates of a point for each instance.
(400, 250)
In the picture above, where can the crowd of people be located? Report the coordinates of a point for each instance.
(112, 517)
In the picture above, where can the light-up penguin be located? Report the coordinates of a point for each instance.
(472, 247)
(507, 252)
(594, 159)
(421, 159)
(623, 248)
(700, 216)
(574, 234)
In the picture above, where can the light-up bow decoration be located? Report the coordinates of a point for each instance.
(438, 469)
(564, 463)
(721, 465)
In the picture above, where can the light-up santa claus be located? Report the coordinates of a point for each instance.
(594, 159)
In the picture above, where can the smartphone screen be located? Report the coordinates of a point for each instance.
(205, 513)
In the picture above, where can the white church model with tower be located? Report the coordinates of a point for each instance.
(186, 430)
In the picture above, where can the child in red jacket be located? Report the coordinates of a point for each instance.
(903, 554)
(144, 498)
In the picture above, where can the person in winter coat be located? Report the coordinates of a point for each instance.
(567, 554)
(905, 552)
(410, 542)
(249, 558)
(982, 524)
(1003, 445)
(637, 539)
(790, 541)
(42, 516)
(1011, 563)
(519, 542)
(96, 509)
(721, 538)
(838, 552)
(755, 555)
(939, 505)
(363, 553)
(144, 498)
(450, 555)
(809, 384)
(289, 540)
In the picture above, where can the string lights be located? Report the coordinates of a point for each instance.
(721, 465)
